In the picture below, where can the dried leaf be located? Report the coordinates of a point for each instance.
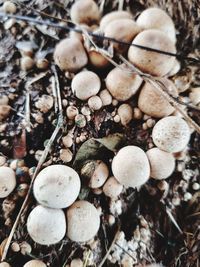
(112, 141)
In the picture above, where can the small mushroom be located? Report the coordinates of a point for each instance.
(35, 263)
(97, 59)
(94, 102)
(76, 263)
(7, 181)
(106, 97)
(26, 63)
(194, 96)
(46, 226)
(171, 134)
(85, 84)
(162, 164)
(131, 166)
(85, 11)
(95, 172)
(123, 30)
(125, 113)
(4, 111)
(156, 18)
(4, 264)
(152, 62)
(83, 221)
(56, 186)
(152, 103)
(121, 84)
(112, 188)
(9, 7)
(70, 55)
(114, 15)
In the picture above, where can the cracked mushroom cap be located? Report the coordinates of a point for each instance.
(57, 186)
(131, 166)
(35, 263)
(162, 163)
(7, 181)
(151, 62)
(156, 18)
(46, 226)
(171, 134)
(70, 55)
(83, 221)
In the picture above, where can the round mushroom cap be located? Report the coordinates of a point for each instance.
(83, 221)
(131, 166)
(121, 84)
(152, 103)
(152, 62)
(97, 59)
(35, 263)
(123, 30)
(4, 264)
(70, 55)
(7, 181)
(85, 84)
(57, 186)
(114, 15)
(171, 134)
(125, 113)
(162, 163)
(46, 226)
(85, 11)
(156, 18)
(112, 188)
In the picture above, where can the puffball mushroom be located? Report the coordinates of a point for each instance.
(123, 30)
(121, 84)
(162, 163)
(131, 166)
(152, 62)
(83, 221)
(125, 113)
(7, 181)
(112, 188)
(57, 186)
(35, 263)
(114, 15)
(4, 264)
(156, 18)
(70, 55)
(171, 134)
(152, 103)
(85, 84)
(46, 226)
(85, 11)
(97, 59)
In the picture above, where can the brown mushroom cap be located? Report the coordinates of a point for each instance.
(122, 29)
(156, 18)
(97, 59)
(151, 62)
(83, 221)
(70, 55)
(162, 164)
(125, 113)
(112, 188)
(171, 134)
(153, 103)
(121, 84)
(85, 11)
(35, 263)
(7, 181)
(131, 166)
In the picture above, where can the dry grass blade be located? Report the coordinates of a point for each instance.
(173, 220)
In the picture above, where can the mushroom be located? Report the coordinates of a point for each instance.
(85, 11)
(46, 226)
(56, 186)
(152, 103)
(152, 62)
(114, 15)
(9, 7)
(125, 113)
(123, 30)
(7, 181)
(162, 163)
(76, 263)
(131, 166)
(121, 84)
(83, 221)
(4, 264)
(95, 172)
(85, 84)
(95, 103)
(106, 97)
(97, 59)
(70, 55)
(4, 112)
(194, 95)
(112, 188)
(176, 68)
(26, 63)
(35, 263)
(156, 18)
(171, 134)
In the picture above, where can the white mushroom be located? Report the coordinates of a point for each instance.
(56, 186)
(35, 263)
(131, 166)
(171, 134)
(106, 97)
(46, 226)
(125, 113)
(112, 188)
(94, 102)
(85, 84)
(4, 264)
(83, 221)
(7, 181)
(162, 164)
(195, 95)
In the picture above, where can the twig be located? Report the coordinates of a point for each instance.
(27, 111)
(173, 220)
